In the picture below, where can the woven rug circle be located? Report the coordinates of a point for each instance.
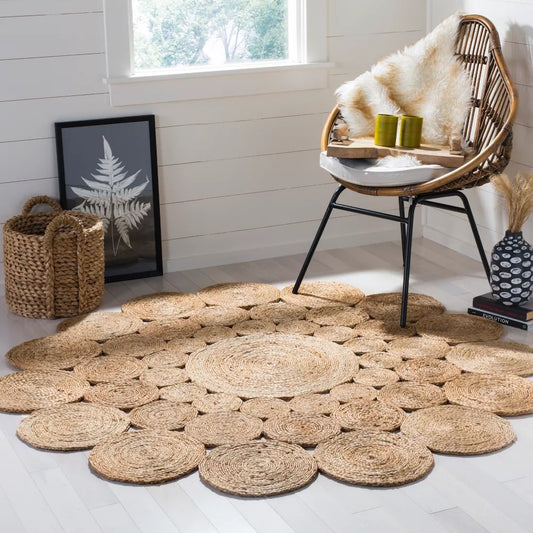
(414, 347)
(305, 429)
(100, 326)
(248, 327)
(379, 360)
(457, 328)
(239, 294)
(186, 345)
(376, 377)
(384, 330)
(338, 334)
(169, 329)
(459, 430)
(212, 334)
(214, 403)
(166, 358)
(162, 305)
(110, 369)
(224, 427)
(353, 392)
(496, 357)
(369, 415)
(314, 404)
(55, 352)
(374, 458)
(182, 392)
(297, 327)
(427, 370)
(218, 315)
(322, 294)
(337, 316)
(134, 345)
(262, 468)
(265, 407)
(72, 426)
(386, 306)
(163, 376)
(278, 312)
(503, 394)
(272, 365)
(126, 458)
(126, 395)
(162, 414)
(360, 345)
(28, 390)
(410, 395)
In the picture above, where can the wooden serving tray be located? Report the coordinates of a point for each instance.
(364, 148)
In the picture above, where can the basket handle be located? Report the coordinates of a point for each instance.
(36, 200)
(65, 220)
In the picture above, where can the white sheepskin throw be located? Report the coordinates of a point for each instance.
(424, 79)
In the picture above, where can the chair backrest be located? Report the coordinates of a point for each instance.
(488, 126)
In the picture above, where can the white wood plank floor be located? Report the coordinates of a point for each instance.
(52, 492)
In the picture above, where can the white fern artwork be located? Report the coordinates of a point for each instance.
(111, 197)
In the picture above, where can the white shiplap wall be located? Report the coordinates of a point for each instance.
(514, 21)
(239, 177)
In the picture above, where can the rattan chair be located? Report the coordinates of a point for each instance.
(487, 130)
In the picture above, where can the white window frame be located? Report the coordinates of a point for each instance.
(127, 88)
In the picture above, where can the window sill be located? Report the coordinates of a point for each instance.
(206, 84)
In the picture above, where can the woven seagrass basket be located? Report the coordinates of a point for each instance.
(54, 261)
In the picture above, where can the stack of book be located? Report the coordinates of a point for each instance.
(516, 316)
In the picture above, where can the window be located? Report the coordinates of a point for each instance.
(163, 50)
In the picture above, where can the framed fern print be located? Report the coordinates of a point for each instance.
(108, 167)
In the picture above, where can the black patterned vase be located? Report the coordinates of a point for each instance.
(511, 269)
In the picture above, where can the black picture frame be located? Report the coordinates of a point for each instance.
(109, 166)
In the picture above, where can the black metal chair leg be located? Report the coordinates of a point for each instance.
(407, 262)
(318, 235)
(401, 205)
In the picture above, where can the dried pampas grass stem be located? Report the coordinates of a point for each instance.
(518, 194)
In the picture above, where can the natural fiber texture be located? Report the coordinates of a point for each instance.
(28, 390)
(126, 395)
(258, 468)
(124, 458)
(220, 316)
(263, 407)
(427, 370)
(314, 404)
(278, 312)
(376, 377)
(409, 395)
(55, 352)
(386, 306)
(239, 294)
(304, 429)
(337, 316)
(185, 345)
(166, 358)
(214, 403)
(458, 430)
(100, 326)
(379, 360)
(162, 414)
(212, 334)
(414, 347)
(314, 294)
(271, 365)
(518, 194)
(384, 330)
(505, 395)
(162, 305)
(374, 458)
(353, 392)
(297, 327)
(170, 328)
(74, 426)
(496, 357)
(361, 345)
(224, 427)
(163, 376)
(53, 261)
(456, 328)
(110, 369)
(369, 415)
(182, 392)
(134, 345)
(338, 334)
(249, 327)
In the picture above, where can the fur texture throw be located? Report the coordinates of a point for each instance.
(424, 79)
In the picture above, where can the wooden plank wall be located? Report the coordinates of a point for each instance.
(514, 21)
(239, 177)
